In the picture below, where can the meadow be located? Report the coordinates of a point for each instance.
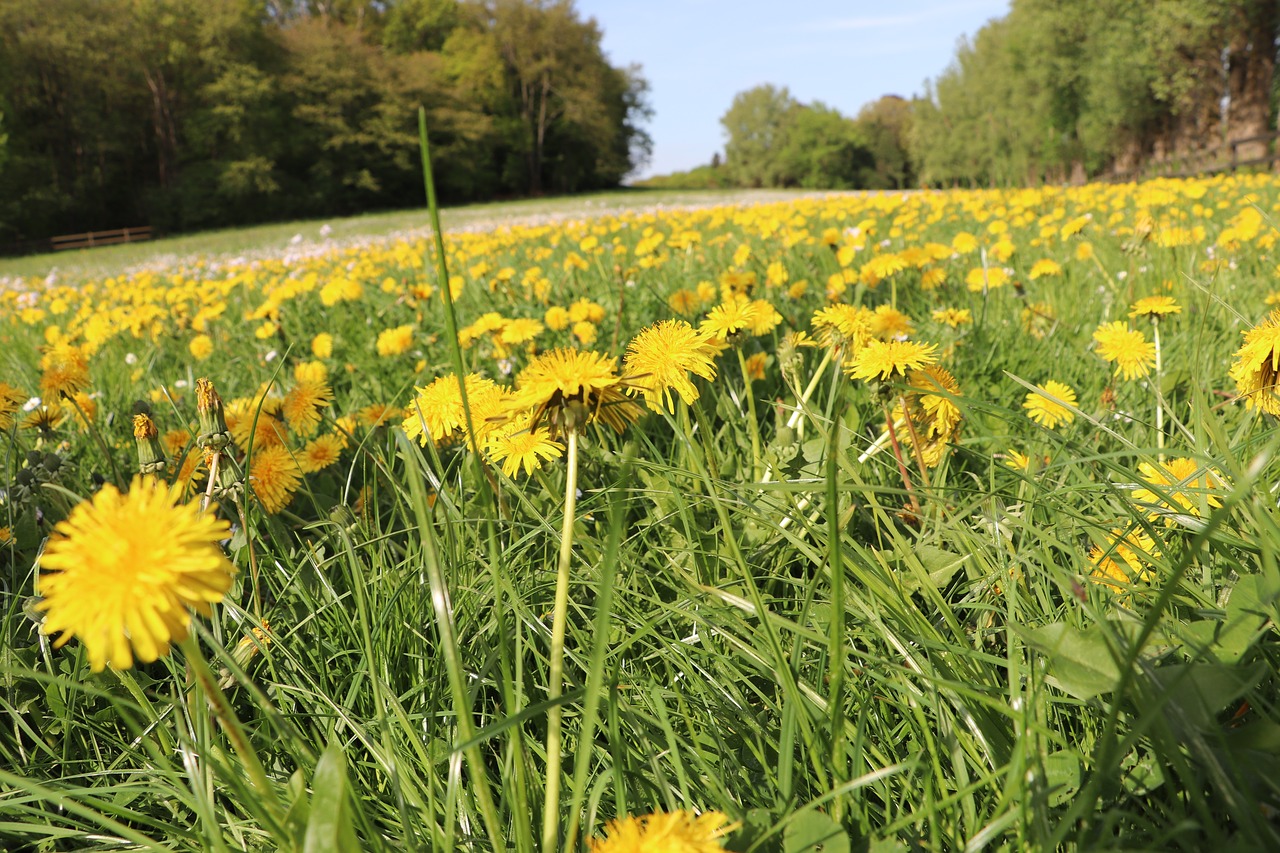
(915, 521)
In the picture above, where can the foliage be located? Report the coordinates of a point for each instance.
(187, 114)
(1062, 90)
(862, 616)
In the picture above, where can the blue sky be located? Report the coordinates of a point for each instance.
(697, 54)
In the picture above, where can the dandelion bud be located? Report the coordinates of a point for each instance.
(151, 459)
(214, 434)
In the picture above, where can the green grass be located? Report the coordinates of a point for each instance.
(831, 670)
(101, 262)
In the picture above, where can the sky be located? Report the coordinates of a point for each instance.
(698, 54)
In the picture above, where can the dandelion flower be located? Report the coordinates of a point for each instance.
(1134, 550)
(1258, 364)
(1130, 351)
(568, 388)
(888, 322)
(1044, 268)
(11, 399)
(437, 413)
(518, 445)
(303, 404)
(734, 316)
(935, 417)
(376, 414)
(122, 571)
(585, 332)
(556, 318)
(845, 326)
(45, 419)
(201, 347)
(953, 317)
(322, 345)
(275, 476)
(393, 342)
(66, 371)
(1178, 487)
(886, 360)
(1155, 307)
(320, 452)
(660, 359)
(255, 421)
(1043, 407)
(669, 832)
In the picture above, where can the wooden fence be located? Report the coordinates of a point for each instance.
(1210, 161)
(87, 240)
(100, 238)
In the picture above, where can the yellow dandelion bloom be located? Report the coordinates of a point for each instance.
(953, 317)
(1051, 404)
(1044, 268)
(320, 452)
(121, 572)
(889, 322)
(1155, 307)
(979, 279)
(521, 330)
(322, 345)
(1134, 551)
(45, 418)
(303, 404)
(11, 400)
(935, 417)
(585, 309)
(556, 318)
(249, 424)
(1130, 351)
(437, 413)
(1179, 486)
(201, 347)
(274, 475)
(660, 359)
(886, 360)
(567, 389)
(1258, 364)
(310, 371)
(376, 414)
(842, 325)
(756, 363)
(670, 832)
(518, 445)
(585, 332)
(65, 371)
(731, 317)
(393, 342)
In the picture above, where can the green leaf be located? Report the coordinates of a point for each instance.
(1080, 661)
(814, 832)
(1199, 691)
(329, 827)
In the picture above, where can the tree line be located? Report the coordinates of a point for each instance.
(1060, 91)
(186, 114)
(1052, 92)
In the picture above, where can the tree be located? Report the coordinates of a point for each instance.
(885, 129)
(754, 126)
(822, 149)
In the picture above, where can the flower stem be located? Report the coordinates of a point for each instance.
(559, 618)
(753, 425)
(234, 731)
(902, 466)
(1155, 332)
(915, 443)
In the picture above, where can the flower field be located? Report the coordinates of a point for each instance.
(938, 520)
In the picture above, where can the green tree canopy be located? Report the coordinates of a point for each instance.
(197, 113)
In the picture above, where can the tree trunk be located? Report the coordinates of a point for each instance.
(1251, 71)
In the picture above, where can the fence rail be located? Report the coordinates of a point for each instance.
(1209, 161)
(100, 238)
